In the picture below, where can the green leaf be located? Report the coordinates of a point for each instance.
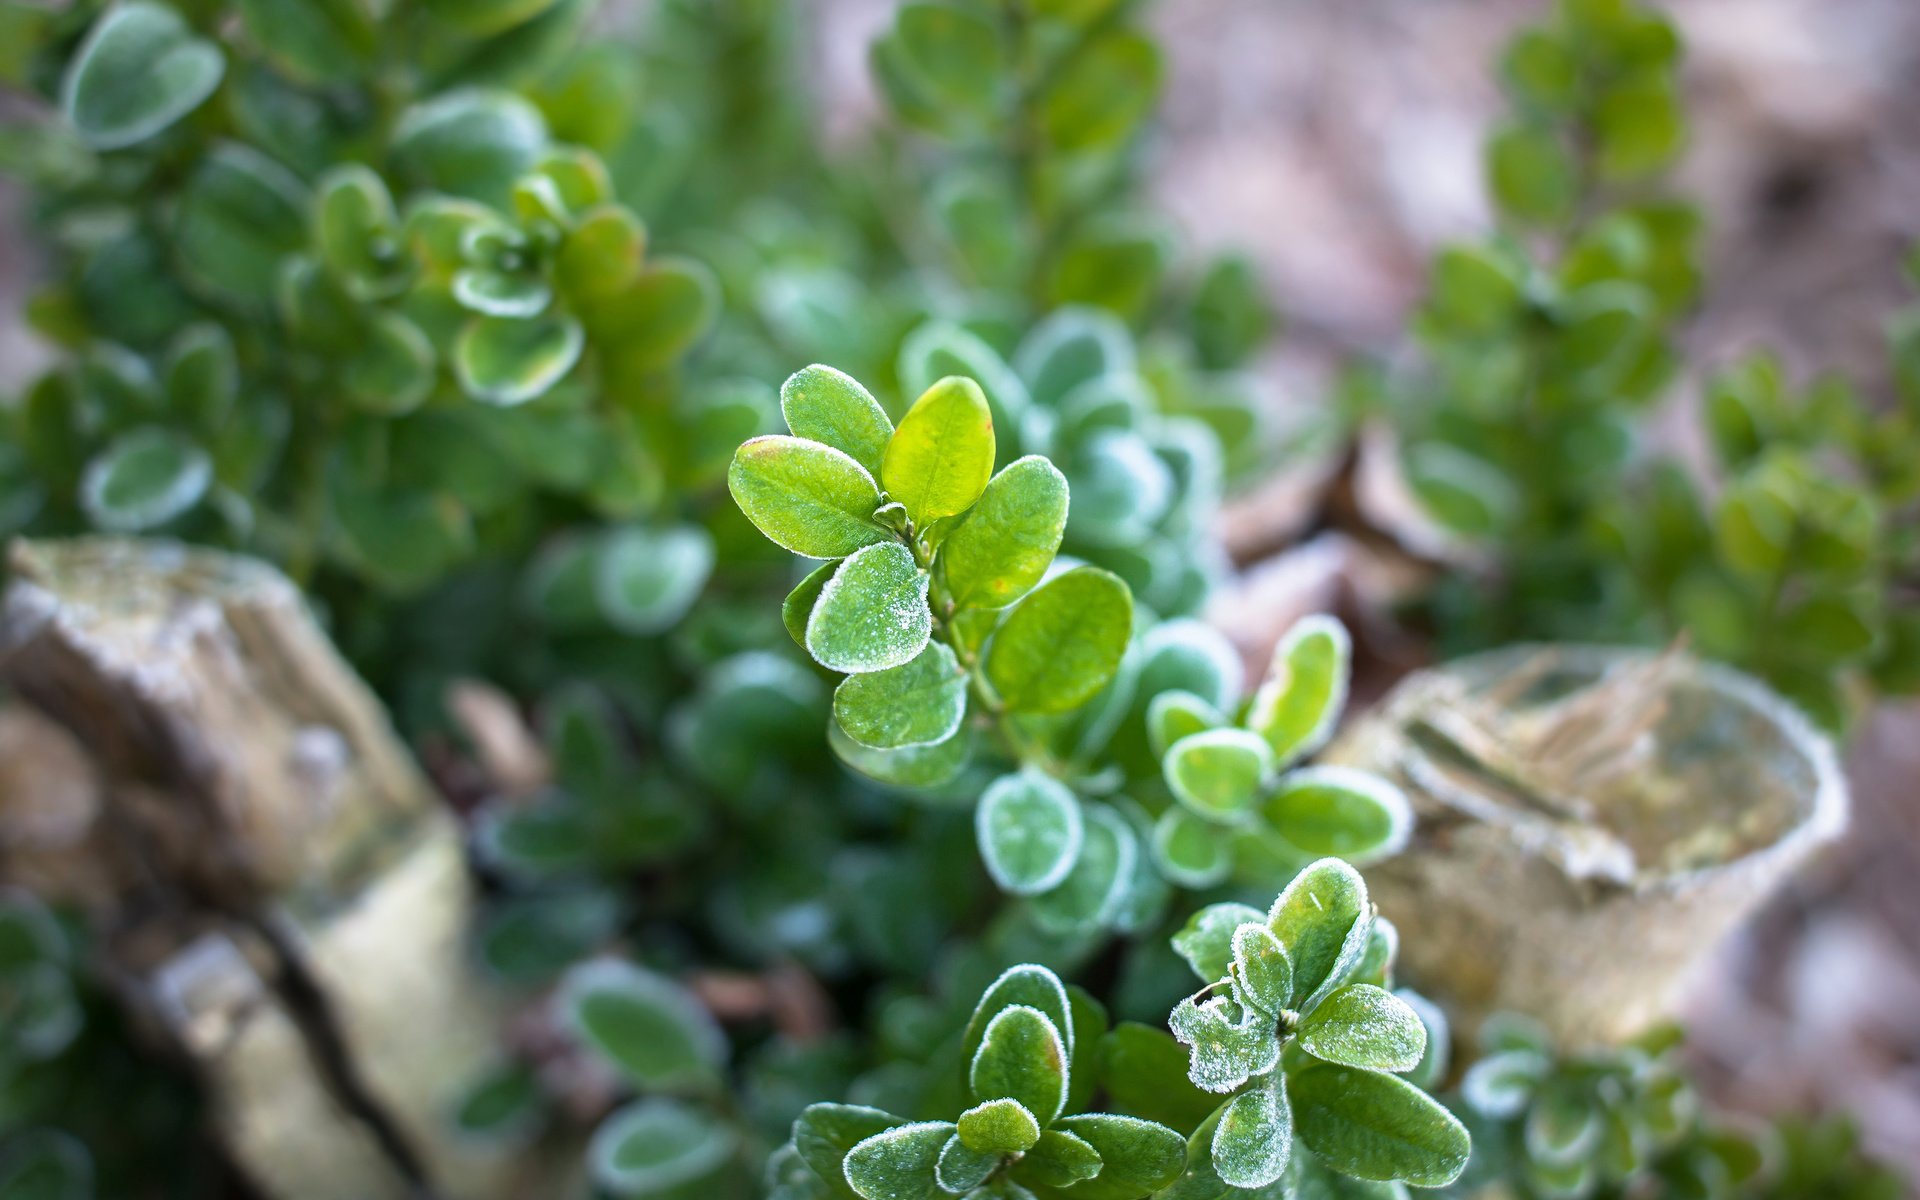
(1532, 175)
(872, 615)
(657, 1144)
(1138, 1157)
(1177, 714)
(941, 348)
(1070, 347)
(1027, 984)
(1299, 702)
(1432, 1067)
(916, 768)
(806, 497)
(1007, 540)
(202, 376)
(1060, 1159)
(1340, 811)
(648, 1026)
(823, 1134)
(658, 318)
(830, 406)
(1198, 1180)
(1030, 832)
(509, 361)
(1102, 93)
(961, 1168)
(140, 70)
(1190, 850)
(798, 605)
(392, 371)
(1144, 1072)
(1062, 642)
(1096, 888)
(1262, 973)
(953, 54)
(1640, 127)
(483, 18)
(915, 704)
(1002, 1126)
(1254, 1137)
(1218, 774)
(1322, 918)
(145, 477)
(241, 214)
(1206, 940)
(600, 257)
(471, 143)
(1227, 1043)
(1364, 1026)
(1376, 1126)
(1475, 289)
(646, 580)
(938, 461)
(899, 1164)
(1022, 1057)
(311, 41)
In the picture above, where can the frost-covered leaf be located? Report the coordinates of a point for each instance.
(509, 360)
(1030, 832)
(1376, 1126)
(650, 1027)
(145, 477)
(913, 767)
(1206, 941)
(1191, 851)
(1219, 773)
(898, 1164)
(1061, 643)
(1060, 1159)
(823, 1134)
(917, 703)
(1322, 918)
(1341, 811)
(1029, 984)
(805, 496)
(1501, 1085)
(1023, 1057)
(1226, 1043)
(1364, 1026)
(831, 407)
(939, 459)
(647, 579)
(1093, 892)
(1261, 971)
(798, 605)
(1002, 1126)
(471, 143)
(1299, 702)
(1432, 1067)
(1070, 347)
(1190, 656)
(1006, 541)
(1177, 714)
(961, 1167)
(1254, 1136)
(1376, 961)
(872, 615)
(141, 69)
(657, 1144)
(240, 215)
(1137, 1156)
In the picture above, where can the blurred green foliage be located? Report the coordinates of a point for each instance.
(1548, 350)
